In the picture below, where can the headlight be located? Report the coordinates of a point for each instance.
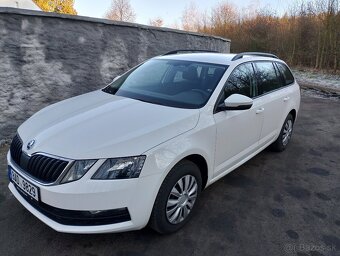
(77, 170)
(120, 168)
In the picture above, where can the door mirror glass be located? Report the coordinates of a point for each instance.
(237, 102)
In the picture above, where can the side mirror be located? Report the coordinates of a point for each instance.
(114, 79)
(237, 102)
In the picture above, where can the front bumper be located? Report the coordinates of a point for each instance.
(124, 204)
(123, 226)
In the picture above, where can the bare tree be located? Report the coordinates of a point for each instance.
(121, 10)
(157, 22)
(174, 25)
(307, 35)
(224, 16)
(190, 18)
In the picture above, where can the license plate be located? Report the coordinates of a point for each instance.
(27, 187)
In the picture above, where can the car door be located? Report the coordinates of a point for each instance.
(237, 131)
(273, 94)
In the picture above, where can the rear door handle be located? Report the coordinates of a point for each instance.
(286, 98)
(260, 110)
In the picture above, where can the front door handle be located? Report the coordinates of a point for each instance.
(260, 110)
(286, 98)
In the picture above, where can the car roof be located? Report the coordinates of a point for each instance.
(216, 58)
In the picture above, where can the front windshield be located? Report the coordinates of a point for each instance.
(175, 83)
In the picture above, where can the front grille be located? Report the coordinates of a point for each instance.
(43, 168)
(79, 218)
(15, 148)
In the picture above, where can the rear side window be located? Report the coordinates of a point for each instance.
(287, 75)
(241, 81)
(267, 78)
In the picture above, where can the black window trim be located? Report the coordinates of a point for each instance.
(253, 62)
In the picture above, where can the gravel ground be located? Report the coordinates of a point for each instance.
(276, 204)
(327, 82)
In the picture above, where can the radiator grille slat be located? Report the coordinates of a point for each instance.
(59, 169)
(40, 164)
(52, 169)
(35, 160)
(48, 167)
(16, 149)
(43, 168)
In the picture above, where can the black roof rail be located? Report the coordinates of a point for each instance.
(262, 54)
(186, 50)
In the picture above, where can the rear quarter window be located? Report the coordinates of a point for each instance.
(285, 72)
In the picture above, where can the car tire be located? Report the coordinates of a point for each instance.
(177, 198)
(285, 135)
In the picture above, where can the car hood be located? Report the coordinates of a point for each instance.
(100, 125)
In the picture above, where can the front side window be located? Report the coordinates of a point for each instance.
(241, 81)
(267, 77)
(175, 83)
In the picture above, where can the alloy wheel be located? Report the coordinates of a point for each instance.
(287, 132)
(181, 199)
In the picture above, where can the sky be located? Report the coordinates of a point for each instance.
(170, 10)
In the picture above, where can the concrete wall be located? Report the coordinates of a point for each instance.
(47, 57)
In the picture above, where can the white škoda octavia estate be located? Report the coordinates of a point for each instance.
(141, 150)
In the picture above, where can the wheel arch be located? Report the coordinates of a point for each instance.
(293, 113)
(202, 164)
